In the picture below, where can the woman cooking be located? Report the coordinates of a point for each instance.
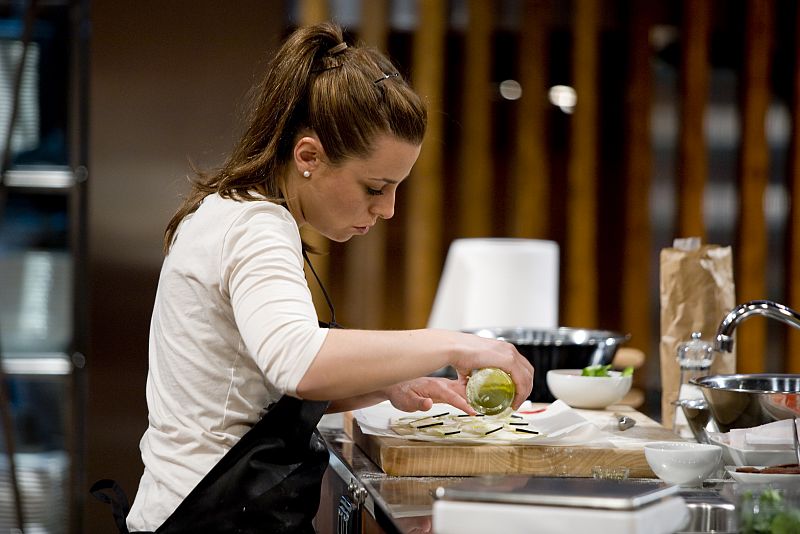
(240, 369)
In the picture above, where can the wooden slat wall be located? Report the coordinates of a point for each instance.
(636, 316)
(365, 260)
(313, 11)
(530, 191)
(580, 300)
(368, 301)
(475, 176)
(753, 179)
(793, 225)
(692, 147)
(424, 224)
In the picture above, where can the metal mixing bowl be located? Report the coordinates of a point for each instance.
(748, 400)
(558, 348)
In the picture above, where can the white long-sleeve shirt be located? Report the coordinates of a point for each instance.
(233, 329)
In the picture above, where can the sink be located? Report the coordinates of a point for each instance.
(709, 512)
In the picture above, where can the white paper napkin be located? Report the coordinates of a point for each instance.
(776, 435)
(558, 424)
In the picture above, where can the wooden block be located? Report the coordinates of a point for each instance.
(628, 357)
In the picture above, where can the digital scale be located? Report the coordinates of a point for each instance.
(558, 505)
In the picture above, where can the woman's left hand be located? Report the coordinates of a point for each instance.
(421, 393)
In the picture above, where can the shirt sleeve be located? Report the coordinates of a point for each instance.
(262, 269)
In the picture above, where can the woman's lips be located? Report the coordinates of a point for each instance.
(362, 229)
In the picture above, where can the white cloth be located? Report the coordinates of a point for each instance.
(233, 329)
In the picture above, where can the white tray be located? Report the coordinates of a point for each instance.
(740, 457)
(761, 478)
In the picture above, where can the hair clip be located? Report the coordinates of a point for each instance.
(386, 77)
(339, 48)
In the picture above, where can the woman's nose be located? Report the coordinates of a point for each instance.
(384, 206)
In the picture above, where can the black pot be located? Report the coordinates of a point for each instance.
(558, 348)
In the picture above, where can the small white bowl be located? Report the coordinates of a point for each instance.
(594, 392)
(681, 462)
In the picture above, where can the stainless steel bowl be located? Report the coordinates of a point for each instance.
(747, 400)
(558, 348)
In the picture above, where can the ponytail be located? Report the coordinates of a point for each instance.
(346, 95)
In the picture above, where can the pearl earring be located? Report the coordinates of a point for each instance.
(307, 174)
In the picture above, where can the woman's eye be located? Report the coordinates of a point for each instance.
(374, 192)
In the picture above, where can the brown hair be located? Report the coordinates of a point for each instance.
(345, 94)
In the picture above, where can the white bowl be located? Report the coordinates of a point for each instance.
(681, 462)
(595, 392)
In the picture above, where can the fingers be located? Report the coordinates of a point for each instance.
(425, 404)
(421, 393)
(503, 355)
(444, 390)
(523, 383)
(453, 394)
(407, 396)
(524, 389)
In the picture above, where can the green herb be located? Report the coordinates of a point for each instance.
(602, 370)
(493, 431)
(526, 430)
(768, 513)
(596, 370)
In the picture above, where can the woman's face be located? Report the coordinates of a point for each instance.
(348, 199)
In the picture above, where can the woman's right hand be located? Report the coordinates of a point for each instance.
(474, 352)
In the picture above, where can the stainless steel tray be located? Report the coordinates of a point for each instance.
(559, 491)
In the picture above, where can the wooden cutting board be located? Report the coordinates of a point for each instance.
(402, 457)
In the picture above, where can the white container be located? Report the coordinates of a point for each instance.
(457, 517)
(498, 282)
(683, 463)
(739, 457)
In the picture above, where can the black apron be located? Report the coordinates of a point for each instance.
(269, 482)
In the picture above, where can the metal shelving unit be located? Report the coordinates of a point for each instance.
(42, 357)
(43, 286)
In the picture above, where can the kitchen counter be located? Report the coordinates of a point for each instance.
(396, 505)
(357, 491)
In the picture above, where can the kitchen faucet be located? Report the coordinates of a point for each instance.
(724, 340)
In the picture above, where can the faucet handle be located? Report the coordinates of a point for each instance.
(695, 354)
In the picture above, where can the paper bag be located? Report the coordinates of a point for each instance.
(697, 292)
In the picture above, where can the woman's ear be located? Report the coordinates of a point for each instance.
(307, 154)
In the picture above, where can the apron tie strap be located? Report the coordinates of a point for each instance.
(116, 498)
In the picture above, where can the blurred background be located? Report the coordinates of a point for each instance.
(608, 126)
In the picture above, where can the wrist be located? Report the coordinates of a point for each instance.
(384, 393)
(460, 352)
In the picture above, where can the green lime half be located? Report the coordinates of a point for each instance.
(490, 391)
